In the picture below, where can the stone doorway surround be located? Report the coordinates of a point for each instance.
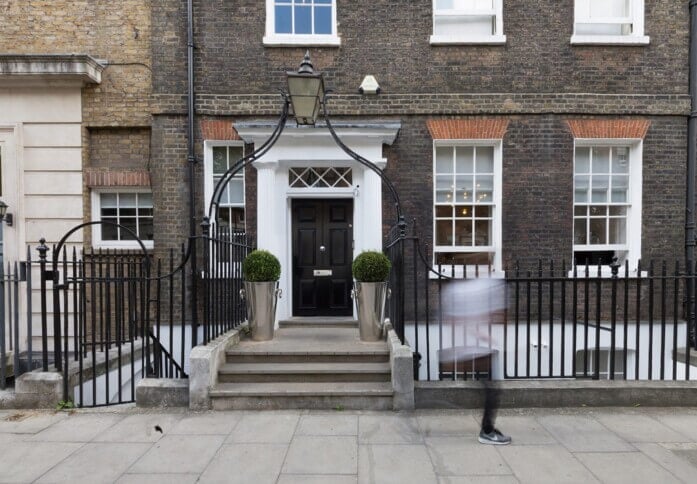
(302, 146)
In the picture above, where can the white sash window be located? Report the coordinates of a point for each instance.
(609, 22)
(468, 21)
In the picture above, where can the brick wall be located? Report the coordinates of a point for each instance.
(390, 40)
(536, 82)
(538, 186)
(119, 148)
(118, 32)
(170, 187)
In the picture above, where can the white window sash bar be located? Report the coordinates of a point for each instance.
(466, 13)
(605, 20)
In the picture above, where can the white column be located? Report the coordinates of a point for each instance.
(371, 199)
(267, 228)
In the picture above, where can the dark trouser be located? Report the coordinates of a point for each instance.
(491, 404)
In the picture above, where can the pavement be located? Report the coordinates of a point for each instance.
(128, 445)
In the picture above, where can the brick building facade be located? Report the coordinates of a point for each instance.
(557, 83)
(105, 142)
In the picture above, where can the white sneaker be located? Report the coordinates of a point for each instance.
(494, 437)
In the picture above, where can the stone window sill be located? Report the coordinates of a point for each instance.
(461, 40)
(628, 40)
(302, 40)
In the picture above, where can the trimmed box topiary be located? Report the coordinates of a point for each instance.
(371, 266)
(261, 266)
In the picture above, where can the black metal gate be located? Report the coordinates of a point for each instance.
(110, 318)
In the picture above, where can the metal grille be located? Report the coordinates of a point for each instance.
(320, 177)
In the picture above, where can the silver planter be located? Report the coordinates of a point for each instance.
(261, 298)
(370, 302)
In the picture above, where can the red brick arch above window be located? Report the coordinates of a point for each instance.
(467, 128)
(218, 130)
(609, 128)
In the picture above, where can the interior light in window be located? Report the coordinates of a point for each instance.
(622, 156)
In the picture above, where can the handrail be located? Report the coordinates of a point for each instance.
(168, 357)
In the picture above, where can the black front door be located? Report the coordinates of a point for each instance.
(322, 250)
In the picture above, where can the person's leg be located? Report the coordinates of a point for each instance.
(491, 404)
(489, 434)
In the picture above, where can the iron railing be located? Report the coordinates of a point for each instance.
(16, 349)
(558, 320)
(107, 318)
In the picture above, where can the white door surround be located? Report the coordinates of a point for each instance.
(11, 191)
(314, 146)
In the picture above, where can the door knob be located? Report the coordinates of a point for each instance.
(322, 248)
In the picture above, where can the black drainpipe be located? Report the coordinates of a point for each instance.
(192, 163)
(691, 169)
(191, 157)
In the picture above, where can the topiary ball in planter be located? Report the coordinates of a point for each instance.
(261, 266)
(371, 266)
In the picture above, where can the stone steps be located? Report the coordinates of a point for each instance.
(304, 372)
(309, 365)
(318, 323)
(293, 395)
(300, 356)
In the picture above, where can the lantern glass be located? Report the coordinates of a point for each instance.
(305, 95)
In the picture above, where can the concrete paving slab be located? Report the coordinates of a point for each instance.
(246, 463)
(27, 461)
(458, 456)
(78, 428)
(541, 464)
(388, 429)
(322, 455)
(625, 467)
(329, 424)
(265, 428)
(183, 452)
(207, 423)
(158, 479)
(323, 479)
(434, 425)
(525, 430)
(636, 427)
(140, 428)
(583, 433)
(681, 423)
(29, 421)
(688, 455)
(105, 461)
(478, 480)
(398, 464)
(6, 438)
(179, 454)
(673, 461)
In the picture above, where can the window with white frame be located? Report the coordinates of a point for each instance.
(609, 21)
(607, 202)
(467, 204)
(307, 22)
(122, 207)
(467, 21)
(217, 160)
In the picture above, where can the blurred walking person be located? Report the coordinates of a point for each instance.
(472, 306)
